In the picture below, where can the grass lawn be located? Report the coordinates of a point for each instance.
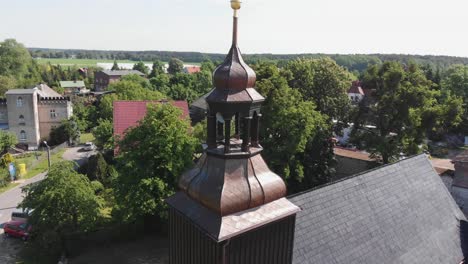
(86, 137)
(42, 166)
(8, 187)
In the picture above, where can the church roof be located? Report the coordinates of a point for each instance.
(400, 213)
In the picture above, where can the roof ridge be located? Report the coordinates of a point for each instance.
(353, 176)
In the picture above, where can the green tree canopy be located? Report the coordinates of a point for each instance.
(149, 166)
(115, 66)
(175, 66)
(406, 109)
(7, 140)
(157, 69)
(14, 59)
(63, 203)
(297, 151)
(103, 133)
(141, 67)
(323, 82)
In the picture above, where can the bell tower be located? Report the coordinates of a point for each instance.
(232, 207)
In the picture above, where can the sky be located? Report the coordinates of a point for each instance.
(265, 26)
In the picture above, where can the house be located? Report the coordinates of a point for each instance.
(128, 113)
(102, 79)
(355, 92)
(191, 69)
(459, 186)
(74, 87)
(32, 113)
(352, 161)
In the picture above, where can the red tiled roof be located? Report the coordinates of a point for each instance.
(128, 113)
(192, 69)
(356, 88)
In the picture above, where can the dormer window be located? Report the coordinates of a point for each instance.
(19, 102)
(21, 120)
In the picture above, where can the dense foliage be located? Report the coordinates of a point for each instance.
(149, 166)
(406, 108)
(299, 151)
(354, 63)
(63, 203)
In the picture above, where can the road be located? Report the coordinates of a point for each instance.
(11, 198)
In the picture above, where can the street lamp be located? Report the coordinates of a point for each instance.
(48, 153)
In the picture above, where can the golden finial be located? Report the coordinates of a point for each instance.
(236, 5)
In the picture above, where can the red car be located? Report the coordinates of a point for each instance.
(17, 229)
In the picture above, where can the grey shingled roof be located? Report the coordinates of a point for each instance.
(122, 72)
(401, 213)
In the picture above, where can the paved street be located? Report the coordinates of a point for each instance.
(11, 198)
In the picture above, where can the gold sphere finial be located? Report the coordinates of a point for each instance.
(236, 4)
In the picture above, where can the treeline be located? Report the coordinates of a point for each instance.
(354, 62)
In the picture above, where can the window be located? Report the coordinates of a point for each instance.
(22, 135)
(19, 102)
(53, 114)
(21, 120)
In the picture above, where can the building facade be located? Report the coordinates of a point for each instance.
(102, 79)
(32, 113)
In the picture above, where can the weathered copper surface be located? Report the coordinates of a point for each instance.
(221, 228)
(230, 185)
(234, 79)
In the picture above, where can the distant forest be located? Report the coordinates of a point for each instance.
(354, 62)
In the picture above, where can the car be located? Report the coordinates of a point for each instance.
(17, 229)
(20, 216)
(89, 146)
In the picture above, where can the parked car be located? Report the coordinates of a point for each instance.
(17, 229)
(88, 146)
(20, 216)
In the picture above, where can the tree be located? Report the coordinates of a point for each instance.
(208, 66)
(141, 67)
(6, 83)
(14, 59)
(455, 84)
(287, 148)
(175, 66)
(71, 129)
(7, 140)
(150, 166)
(157, 69)
(323, 82)
(405, 111)
(115, 66)
(103, 134)
(63, 203)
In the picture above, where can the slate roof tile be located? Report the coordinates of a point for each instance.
(401, 213)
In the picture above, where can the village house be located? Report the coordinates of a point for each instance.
(102, 79)
(31, 114)
(74, 87)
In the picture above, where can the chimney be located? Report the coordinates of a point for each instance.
(232, 207)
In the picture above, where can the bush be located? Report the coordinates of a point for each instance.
(4, 177)
(7, 159)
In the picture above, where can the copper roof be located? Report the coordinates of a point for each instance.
(234, 79)
(221, 228)
(232, 184)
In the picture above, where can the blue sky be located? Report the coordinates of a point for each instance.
(294, 26)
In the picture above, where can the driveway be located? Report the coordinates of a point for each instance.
(10, 199)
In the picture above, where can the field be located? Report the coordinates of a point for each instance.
(90, 62)
(80, 62)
